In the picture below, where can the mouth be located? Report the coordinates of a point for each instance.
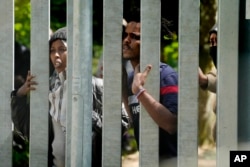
(125, 45)
(125, 48)
(57, 63)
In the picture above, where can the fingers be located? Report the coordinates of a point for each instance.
(137, 69)
(33, 83)
(29, 79)
(32, 88)
(29, 76)
(140, 78)
(147, 70)
(30, 83)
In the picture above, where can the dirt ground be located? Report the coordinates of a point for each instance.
(206, 158)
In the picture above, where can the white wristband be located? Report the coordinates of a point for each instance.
(141, 90)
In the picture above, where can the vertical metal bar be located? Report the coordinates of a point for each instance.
(6, 66)
(227, 61)
(150, 54)
(69, 80)
(247, 7)
(189, 17)
(39, 67)
(112, 33)
(81, 84)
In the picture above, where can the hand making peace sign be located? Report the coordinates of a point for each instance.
(140, 78)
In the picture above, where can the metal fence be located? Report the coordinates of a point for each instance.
(79, 23)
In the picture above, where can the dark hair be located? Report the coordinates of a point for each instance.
(214, 29)
(165, 31)
(134, 15)
(213, 32)
(61, 33)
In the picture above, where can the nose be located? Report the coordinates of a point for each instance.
(212, 42)
(54, 55)
(57, 54)
(126, 39)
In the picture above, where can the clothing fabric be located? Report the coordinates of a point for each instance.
(20, 114)
(61, 34)
(58, 144)
(168, 97)
(57, 97)
(57, 118)
(213, 54)
(212, 80)
(57, 110)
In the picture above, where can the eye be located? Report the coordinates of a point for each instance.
(52, 51)
(124, 35)
(136, 37)
(61, 50)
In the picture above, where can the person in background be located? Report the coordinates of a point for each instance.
(21, 67)
(163, 112)
(21, 122)
(126, 137)
(57, 100)
(208, 81)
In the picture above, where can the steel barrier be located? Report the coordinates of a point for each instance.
(79, 21)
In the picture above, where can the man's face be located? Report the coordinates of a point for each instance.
(213, 39)
(213, 47)
(131, 41)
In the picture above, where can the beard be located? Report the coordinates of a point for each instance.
(213, 54)
(129, 54)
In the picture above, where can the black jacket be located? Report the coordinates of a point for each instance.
(20, 112)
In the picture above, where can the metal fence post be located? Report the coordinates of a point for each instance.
(6, 66)
(81, 84)
(112, 33)
(227, 101)
(150, 54)
(189, 17)
(70, 28)
(39, 106)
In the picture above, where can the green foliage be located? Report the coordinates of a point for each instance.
(22, 21)
(97, 53)
(129, 144)
(58, 14)
(170, 53)
(23, 18)
(20, 151)
(21, 158)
